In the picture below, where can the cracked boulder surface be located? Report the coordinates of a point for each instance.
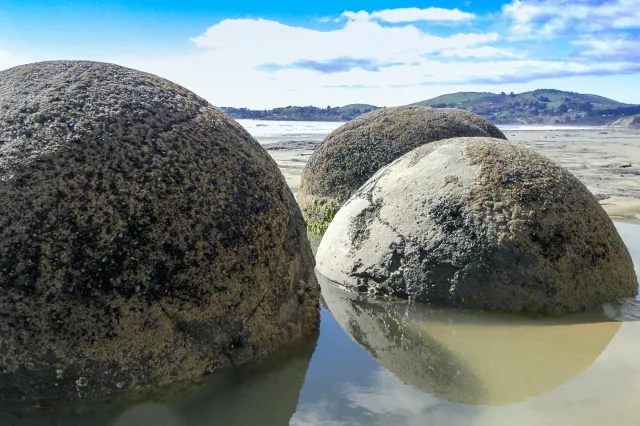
(478, 223)
(145, 237)
(351, 154)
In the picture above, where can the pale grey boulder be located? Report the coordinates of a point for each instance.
(479, 223)
(145, 237)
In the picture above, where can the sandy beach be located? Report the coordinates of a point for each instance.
(606, 160)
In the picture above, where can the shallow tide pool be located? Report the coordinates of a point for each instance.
(391, 363)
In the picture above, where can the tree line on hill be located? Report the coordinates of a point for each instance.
(295, 113)
(541, 106)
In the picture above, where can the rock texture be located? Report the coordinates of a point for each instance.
(145, 237)
(354, 152)
(479, 223)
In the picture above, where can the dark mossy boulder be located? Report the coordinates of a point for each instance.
(145, 237)
(352, 153)
(478, 223)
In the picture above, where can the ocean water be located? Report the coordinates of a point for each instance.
(264, 129)
(533, 127)
(390, 363)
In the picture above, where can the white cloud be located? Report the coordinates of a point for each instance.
(546, 18)
(481, 52)
(243, 45)
(356, 16)
(413, 14)
(609, 45)
(254, 42)
(410, 14)
(260, 63)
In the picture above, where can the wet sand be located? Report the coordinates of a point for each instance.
(291, 156)
(607, 161)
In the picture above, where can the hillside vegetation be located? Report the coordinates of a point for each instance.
(544, 106)
(306, 113)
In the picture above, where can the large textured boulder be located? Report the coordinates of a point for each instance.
(145, 237)
(481, 223)
(471, 356)
(352, 153)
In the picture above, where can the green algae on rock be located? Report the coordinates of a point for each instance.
(352, 153)
(478, 223)
(145, 237)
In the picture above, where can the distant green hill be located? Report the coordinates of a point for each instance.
(357, 107)
(543, 106)
(455, 98)
(306, 113)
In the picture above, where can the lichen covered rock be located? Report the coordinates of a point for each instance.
(478, 223)
(354, 152)
(145, 237)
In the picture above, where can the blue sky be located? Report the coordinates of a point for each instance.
(264, 55)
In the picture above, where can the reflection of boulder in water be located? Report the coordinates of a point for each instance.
(472, 356)
(517, 357)
(395, 342)
(623, 310)
(262, 393)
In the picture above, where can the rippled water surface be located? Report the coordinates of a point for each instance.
(390, 363)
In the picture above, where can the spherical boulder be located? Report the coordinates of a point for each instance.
(352, 153)
(478, 223)
(145, 237)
